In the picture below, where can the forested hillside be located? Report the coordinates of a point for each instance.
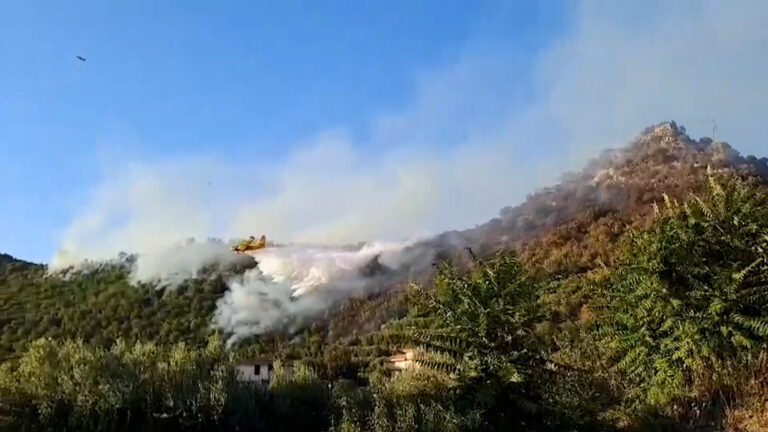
(101, 306)
(631, 295)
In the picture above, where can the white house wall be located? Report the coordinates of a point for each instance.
(248, 372)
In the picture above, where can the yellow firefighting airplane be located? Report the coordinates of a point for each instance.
(250, 245)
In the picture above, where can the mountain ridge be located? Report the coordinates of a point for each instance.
(564, 229)
(574, 226)
(621, 182)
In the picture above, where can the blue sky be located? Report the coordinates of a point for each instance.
(238, 79)
(518, 91)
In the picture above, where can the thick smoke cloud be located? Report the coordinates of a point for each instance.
(296, 283)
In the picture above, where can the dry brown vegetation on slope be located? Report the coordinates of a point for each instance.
(574, 226)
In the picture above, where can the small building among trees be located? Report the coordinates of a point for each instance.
(258, 369)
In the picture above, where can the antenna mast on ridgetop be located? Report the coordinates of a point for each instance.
(714, 129)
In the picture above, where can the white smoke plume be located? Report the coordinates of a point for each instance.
(165, 267)
(169, 267)
(295, 283)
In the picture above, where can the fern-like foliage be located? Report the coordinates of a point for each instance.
(477, 329)
(687, 306)
(478, 324)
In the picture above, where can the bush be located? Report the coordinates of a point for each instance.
(686, 308)
(71, 386)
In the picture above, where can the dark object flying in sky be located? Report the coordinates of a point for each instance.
(80, 58)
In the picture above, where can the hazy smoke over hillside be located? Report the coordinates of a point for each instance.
(467, 144)
(291, 284)
(164, 267)
(170, 266)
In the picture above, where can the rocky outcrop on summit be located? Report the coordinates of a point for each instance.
(569, 227)
(664, 150)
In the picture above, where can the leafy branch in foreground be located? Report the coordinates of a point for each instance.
(687, 305)
(478, 329)
(483, 321)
